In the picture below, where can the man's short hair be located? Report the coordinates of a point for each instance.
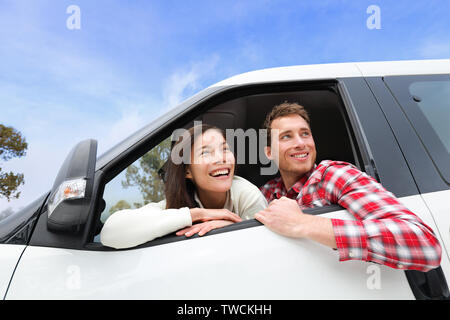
(283, 110)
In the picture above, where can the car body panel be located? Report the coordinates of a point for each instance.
(9, 257)
(252, 263)
(211, 267)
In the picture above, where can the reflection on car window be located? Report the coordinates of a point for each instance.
(433, 99)
(139, 184)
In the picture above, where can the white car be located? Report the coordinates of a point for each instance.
(390, 119)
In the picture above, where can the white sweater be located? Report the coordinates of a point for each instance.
(131, 227)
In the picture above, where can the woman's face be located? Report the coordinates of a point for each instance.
(212, 163)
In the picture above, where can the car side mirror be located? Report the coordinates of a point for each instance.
(71, 195)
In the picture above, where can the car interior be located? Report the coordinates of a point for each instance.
(329, 126)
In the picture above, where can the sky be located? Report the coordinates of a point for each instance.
(128, 62)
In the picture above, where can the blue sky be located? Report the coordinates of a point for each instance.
(133, 60)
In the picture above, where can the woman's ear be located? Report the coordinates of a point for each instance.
(188, 174)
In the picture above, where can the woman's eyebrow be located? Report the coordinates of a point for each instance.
(203, 147)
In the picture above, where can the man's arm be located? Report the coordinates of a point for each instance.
(285, 217)
(384, 230)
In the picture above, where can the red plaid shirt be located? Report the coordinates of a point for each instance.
(384, 231)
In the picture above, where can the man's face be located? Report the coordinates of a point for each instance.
(292, 145)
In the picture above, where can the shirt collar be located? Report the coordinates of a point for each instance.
(228, 202)
(297, 186)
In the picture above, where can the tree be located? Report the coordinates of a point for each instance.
(145, 176)
(121, 205)
(12, 144)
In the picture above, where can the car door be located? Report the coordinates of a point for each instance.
(251, 263)
(418, 110)
(242, 261)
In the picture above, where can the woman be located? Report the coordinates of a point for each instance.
(204, 190)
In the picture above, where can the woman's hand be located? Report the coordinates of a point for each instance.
(203, 227)
(211, 219)
(200, 214)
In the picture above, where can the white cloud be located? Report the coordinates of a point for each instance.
(183, 83)
(126, 125)
(435, 49)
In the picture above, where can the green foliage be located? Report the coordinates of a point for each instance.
(121, 205)
(12, 144)
(144, 174)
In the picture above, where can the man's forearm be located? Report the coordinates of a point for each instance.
(285, 217)
(318, 229)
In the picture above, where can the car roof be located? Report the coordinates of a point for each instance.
(293, 73)
(340, 70)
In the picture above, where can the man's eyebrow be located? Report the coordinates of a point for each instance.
(290, 130)
(284, 131)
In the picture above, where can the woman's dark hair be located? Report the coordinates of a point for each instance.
(178, 189)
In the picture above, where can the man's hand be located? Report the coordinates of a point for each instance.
(285, 217)
(204, 227)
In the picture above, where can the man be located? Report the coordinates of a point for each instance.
(384, 231)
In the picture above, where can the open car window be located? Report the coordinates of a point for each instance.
(139, 184)
(243, 113)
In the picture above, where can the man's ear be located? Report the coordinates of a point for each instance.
(268, 152)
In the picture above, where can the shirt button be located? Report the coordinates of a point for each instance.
(400, 266)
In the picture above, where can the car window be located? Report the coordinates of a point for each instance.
(425, 100)
(139, 184)
(433, 100)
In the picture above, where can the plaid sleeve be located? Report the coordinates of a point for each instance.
(384, 231)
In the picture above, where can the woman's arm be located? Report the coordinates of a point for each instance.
(132, 227)
(210, 219)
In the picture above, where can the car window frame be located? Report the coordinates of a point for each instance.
(376, 138)
(227, 94)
